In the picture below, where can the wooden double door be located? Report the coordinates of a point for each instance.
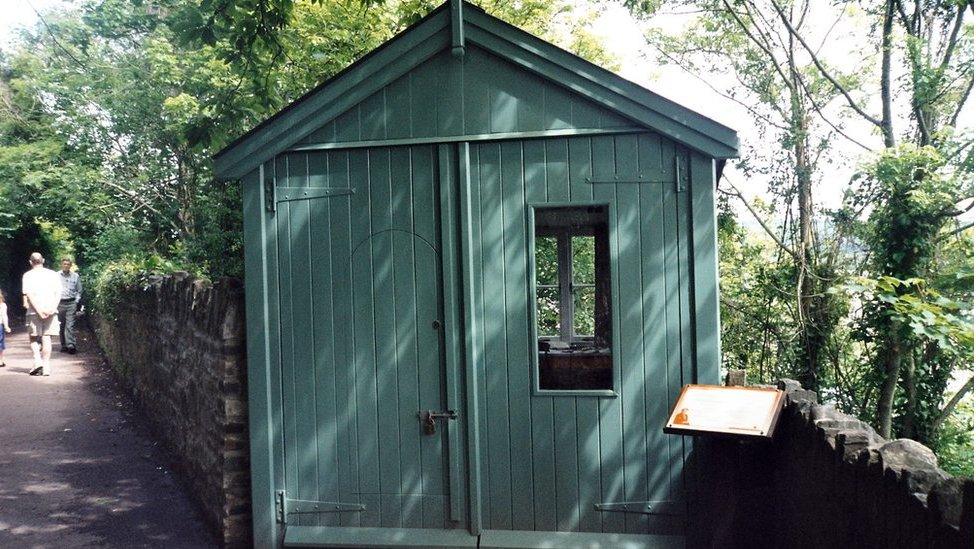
(403, 289)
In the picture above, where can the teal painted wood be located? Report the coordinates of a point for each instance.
(479, 95)
(549, 457)
(659, 382)
(542, 434)
(451, 309)
(516, 335)
(310, 536)
(477, 325)
(502, 539)
(472, 339)
(608, 434)
(493, 306)
(340, 229)
(704, 244)
(263, 434)
(587, 409)
(630, 333)
(432, 34)
(323, 349)
(301, 465)
(563, 409)
(286, 323)
(686, 290)
(351, 390)
(672, 304)
(465, 138)
(579, 450)
(274, 332)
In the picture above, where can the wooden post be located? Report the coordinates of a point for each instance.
(735, 378)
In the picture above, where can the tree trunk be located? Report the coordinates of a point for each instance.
(810, 360)
(909, 425)
(951, 405)
(892, 369)
(887, 126)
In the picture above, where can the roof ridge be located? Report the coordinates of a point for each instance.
(407, 50)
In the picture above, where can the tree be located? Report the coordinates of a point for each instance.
(921, 331)
(138, 95)
(776, 79)
(785, 77)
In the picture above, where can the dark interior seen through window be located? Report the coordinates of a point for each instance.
(572, 272)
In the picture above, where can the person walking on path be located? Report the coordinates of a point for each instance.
(42, 292)
(4, 327)
(70, 299)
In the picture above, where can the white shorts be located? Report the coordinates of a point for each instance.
(37, 327)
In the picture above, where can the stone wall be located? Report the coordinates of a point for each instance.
(826, 480)
(178, 345)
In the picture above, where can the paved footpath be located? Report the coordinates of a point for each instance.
(78, 465)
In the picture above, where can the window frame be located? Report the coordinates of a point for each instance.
(531, 208)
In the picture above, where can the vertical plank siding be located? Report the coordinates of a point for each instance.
(551, 458)
(358, 280)
(443, 97)
(357, 284)
(262, 385)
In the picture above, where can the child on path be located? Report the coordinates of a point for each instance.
(4, 327)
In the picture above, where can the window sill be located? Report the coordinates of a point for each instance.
(598, 393)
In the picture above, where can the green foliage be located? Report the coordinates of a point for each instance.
(547, 273)
(953, 443)
(111, 112)
(110, 281)
(920, 336)
(927, 315)
(750, 307)
(584, 281)
(915, 195)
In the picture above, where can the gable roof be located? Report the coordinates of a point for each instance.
(434, 34)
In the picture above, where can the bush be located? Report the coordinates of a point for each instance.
(953, 443)
(111, 280)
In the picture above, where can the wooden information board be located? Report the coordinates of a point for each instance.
(717, 410)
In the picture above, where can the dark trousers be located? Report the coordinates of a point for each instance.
(66, 314)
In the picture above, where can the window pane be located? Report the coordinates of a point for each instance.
(584, 260)
(547, 311)
(546, 266)
(584, 301)
(572, 253)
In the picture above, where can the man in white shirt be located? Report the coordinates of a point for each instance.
(42, 293)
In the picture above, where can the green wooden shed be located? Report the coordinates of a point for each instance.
(478, 271)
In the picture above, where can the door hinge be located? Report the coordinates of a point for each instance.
(284, 194)
(623, 178)
(280, 507)
(664, 507)
(285, 507)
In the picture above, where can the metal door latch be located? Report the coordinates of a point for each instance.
(428, 419)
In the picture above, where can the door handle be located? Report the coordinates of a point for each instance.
(428, 419)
